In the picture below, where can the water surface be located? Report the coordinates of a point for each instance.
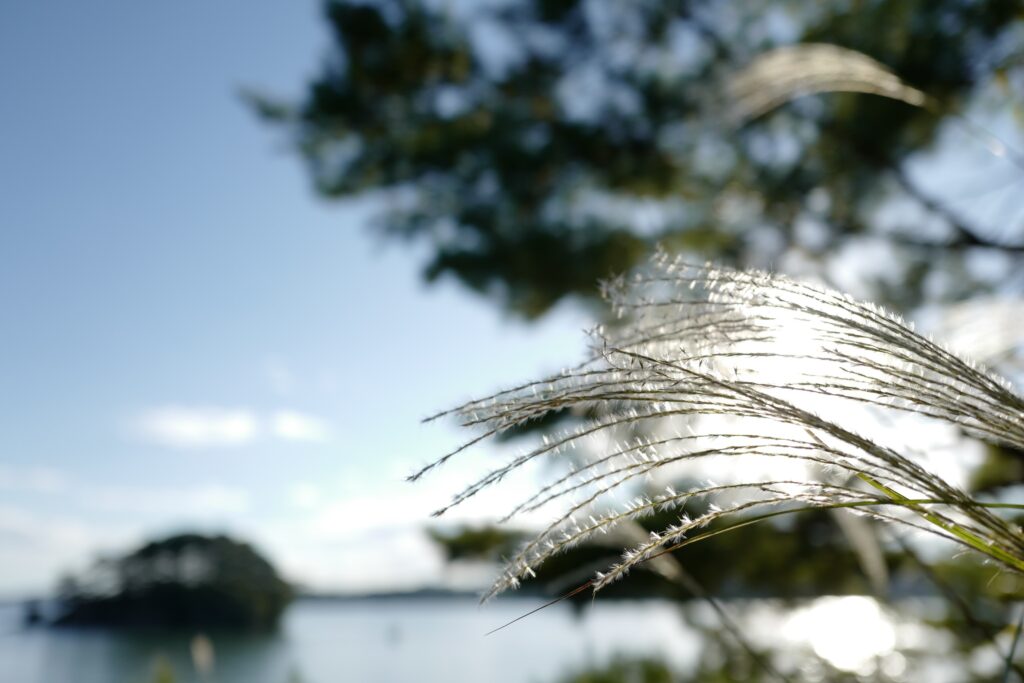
(382, 641)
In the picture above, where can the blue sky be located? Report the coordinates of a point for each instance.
(189, 337)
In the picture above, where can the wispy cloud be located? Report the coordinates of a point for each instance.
(280, 377)
(402, 558)
(40, 539)
(293, 426)
(304, 495)
(26, 526)
(37, 545)
(185, 427)
(206, 427)
(207, 499)
(32, 479)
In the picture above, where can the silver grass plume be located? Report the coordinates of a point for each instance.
(744, 350)
(987, 329)
(785, 73)
(782, 74)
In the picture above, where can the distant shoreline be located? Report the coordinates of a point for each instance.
(414, 594)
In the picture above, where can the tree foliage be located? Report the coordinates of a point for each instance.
(541, 145)
(183, 581)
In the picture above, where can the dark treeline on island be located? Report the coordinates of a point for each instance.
(184, 581)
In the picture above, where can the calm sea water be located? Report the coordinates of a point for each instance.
(391, 641)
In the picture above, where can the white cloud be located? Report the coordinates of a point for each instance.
(218, 427)
(183, 427)
(293, 426)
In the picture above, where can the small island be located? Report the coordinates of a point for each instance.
(184, 581)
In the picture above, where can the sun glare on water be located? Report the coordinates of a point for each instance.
(851, 632)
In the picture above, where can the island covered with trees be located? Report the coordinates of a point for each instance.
(182, 581)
